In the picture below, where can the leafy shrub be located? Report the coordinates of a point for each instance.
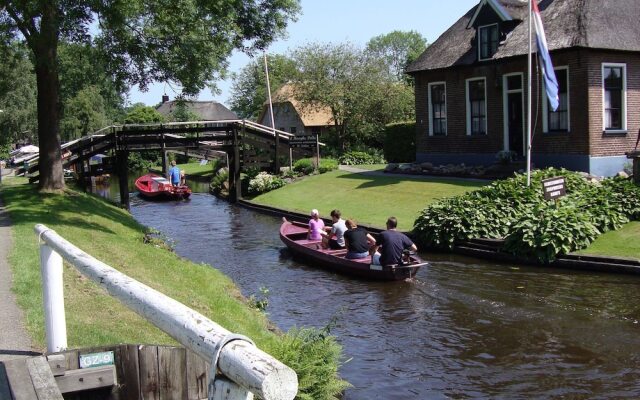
(265, 182)
(219, 181)
(360, 157)
(400, 142)
(305, 166)
(506, 156)
(550, 230)
(328, 164)
(532, 226)
(315, 356)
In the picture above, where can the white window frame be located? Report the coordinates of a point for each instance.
(505, 111)
(545, 103)
(446, 127)
(480, 42)
(468, 105)
(624, 97)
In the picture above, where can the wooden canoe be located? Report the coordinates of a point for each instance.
(158, 187)
(294, 236)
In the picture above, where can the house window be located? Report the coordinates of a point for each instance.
(476, 107)
(614, 87)
(488, 40)
(437, 109)
(558, 121)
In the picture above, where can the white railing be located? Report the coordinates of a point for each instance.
(249, 370)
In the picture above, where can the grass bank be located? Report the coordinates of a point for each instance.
(114, 237)
(195, 169)
(624, 242)
(370, 199)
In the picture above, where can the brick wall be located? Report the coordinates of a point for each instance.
(585, 107)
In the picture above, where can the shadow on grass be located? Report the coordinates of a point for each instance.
(28, 206)
(374, 179)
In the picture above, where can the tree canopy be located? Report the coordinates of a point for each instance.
(397, 49)
(183, 41)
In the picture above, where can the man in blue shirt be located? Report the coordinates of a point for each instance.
(393, 244)
(174, 174)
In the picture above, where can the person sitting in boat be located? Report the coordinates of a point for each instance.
(357, 240)
(174, 174)
(183, 178)
(316, 226)
(333, 238)
(392, 245)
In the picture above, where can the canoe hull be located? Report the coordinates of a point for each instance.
(293, 235)
(152, 186)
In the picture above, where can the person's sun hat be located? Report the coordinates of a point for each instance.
(314, 212)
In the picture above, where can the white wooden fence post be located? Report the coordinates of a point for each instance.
(53, 298)
(228, 390)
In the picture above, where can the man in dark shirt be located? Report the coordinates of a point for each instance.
(357, 241)
(393, 243)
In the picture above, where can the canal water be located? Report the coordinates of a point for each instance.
(463, 329)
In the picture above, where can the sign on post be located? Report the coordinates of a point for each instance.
(303, 141)
(553, 188)
(96, 359)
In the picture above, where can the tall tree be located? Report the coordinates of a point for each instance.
(356, 87)
(17, 96)
(397, 49)
(185, 41)
(249, 89)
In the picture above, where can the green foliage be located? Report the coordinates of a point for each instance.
(400, 142)
(18, 119)
(532, 226)
(306, 166)
(397, 49)
(142, 114)
(249, 88)
(265, 182)
(260, 303)
(548, 230)
(182, 113)
(355, 86)
(84, 114)
(315, 356)
(360, 157)
(219, 182)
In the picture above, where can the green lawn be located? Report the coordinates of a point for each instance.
(624, 242)
(111, 235)
(368, 199)
(195, 169)
(371, 167)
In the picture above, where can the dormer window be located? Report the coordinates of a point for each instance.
(488, 40)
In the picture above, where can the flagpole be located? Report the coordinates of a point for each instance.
(273, 125)
(529, 103)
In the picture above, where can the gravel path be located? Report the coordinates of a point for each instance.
(14, 340)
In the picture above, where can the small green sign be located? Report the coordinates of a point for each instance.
(96, 359)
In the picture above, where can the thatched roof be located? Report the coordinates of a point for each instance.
(317, 116)
(206, 110)
(596, 24)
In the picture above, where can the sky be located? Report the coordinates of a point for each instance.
(337, 21)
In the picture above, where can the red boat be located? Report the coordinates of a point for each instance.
(294, 235)
(158, 187)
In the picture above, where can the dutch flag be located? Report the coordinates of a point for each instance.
(550, 81)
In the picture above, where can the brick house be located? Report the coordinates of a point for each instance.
(290, 116)
(471, 86)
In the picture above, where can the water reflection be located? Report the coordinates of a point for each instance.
(462, 329)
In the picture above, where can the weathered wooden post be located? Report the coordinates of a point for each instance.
(635, 157)
(55, 325)
(235, 186)
(165, 159)
(123, 176)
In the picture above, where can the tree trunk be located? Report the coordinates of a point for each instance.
(45, 51)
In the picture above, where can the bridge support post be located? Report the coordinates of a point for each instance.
(235, 187)
(123, 176)
(276, 164)
(165, 160)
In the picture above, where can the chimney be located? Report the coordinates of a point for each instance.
(165, 98)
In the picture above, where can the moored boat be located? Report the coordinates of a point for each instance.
(158, 187)
(294, 236)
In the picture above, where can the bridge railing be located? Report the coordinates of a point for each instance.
(247, 370)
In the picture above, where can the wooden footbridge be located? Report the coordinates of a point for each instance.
(246, 144)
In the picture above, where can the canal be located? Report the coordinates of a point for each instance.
(463, 329)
